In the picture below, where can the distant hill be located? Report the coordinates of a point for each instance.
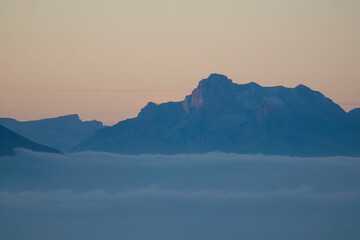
(62, 133)
(224, 116)
(10, 140)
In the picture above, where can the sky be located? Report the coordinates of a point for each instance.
(106, 59)
(211, 196)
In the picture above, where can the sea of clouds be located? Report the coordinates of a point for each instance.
(210, 196)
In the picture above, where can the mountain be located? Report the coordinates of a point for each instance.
(62, 133)
(10, 140)
(355, 114)
(224, 116)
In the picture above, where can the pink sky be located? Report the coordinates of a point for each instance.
(106, 59)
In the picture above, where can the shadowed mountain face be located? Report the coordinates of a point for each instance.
(223, 116)
(62, 132)
(10, 140)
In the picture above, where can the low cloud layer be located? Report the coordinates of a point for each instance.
(211, 196)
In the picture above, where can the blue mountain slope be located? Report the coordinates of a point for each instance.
(62, 133)
(10, 140)
(224, 116)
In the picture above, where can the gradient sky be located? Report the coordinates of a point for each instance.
(106, 59)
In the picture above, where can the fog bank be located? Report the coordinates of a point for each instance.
(211, 196)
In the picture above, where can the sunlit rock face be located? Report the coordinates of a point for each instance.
(220, 115)
(209, 91)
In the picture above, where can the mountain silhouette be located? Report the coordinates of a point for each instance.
(11, 140)
(224, 116)
(62, 133)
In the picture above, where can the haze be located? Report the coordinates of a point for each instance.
(212, 196)
(105, 60)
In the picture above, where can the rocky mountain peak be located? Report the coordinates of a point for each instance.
(220, 115)
(70, 117)
(209, 88)
(303, 88)
(215, 80)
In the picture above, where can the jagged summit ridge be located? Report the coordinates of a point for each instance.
(220, 115)
(215, 79)
(218, 86)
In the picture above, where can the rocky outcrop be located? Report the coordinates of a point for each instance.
(220, 115)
